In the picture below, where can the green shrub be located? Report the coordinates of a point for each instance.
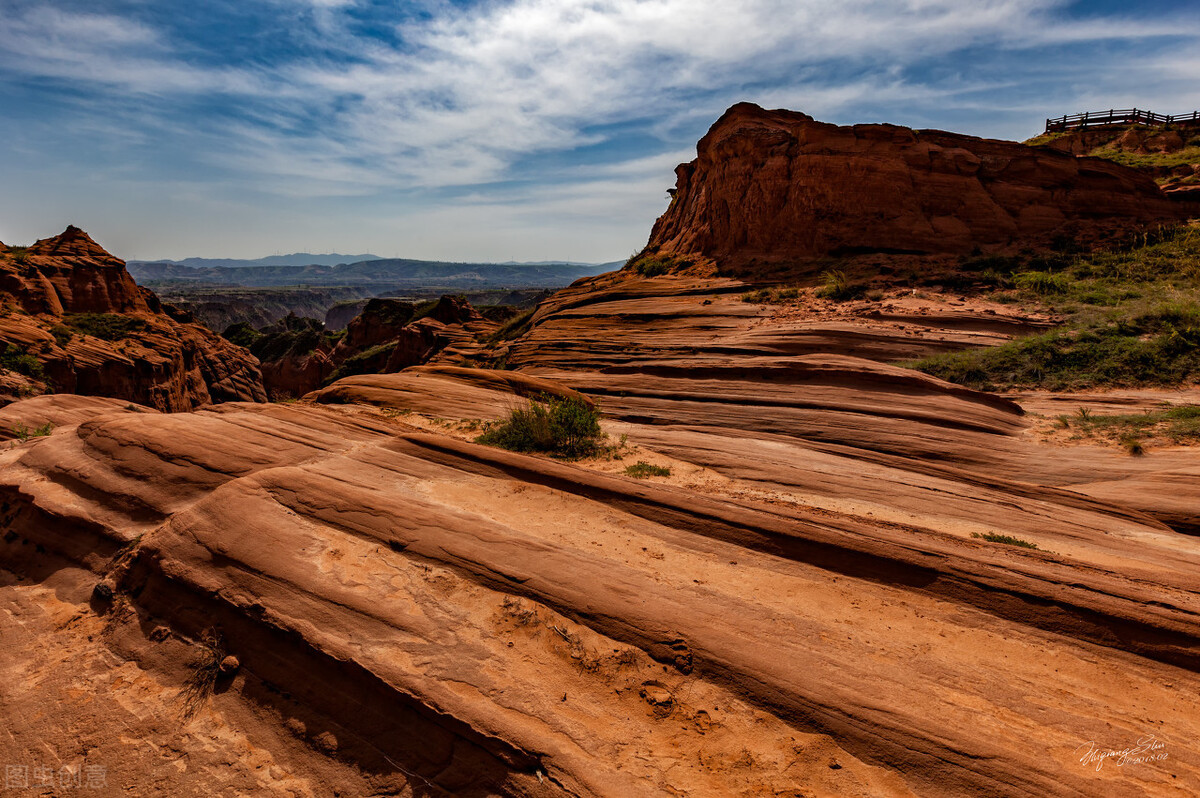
(656, 265)
(838, 287)
(561, 426)
(369, 361)
(641, 470)
(241, 334)
(1042, 282)
(772, 296)
(1157, 346)
(291, 336)
(1181, 425)
(19, 255)
(515, 327)
(1009, 540)
(106, 326)
(14, 359)
(652, 267)
(62, 334)
(24, 433)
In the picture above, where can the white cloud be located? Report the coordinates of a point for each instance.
(476, 90)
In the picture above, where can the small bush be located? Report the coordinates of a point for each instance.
(62, 334)
(838, 287)
(205, 671)
(515, 327)
(241, 334)
(561, 426)
(656, 265)
(106, 326)
(641, 470)
(1133, 446)
(772, 296)
(1043, 283)
(19, 255)
(370, 361)
(24, 433)
(13, 359)
(1008, 540)
(652, 267)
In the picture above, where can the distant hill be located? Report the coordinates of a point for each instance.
(380, 274)
(295, 259)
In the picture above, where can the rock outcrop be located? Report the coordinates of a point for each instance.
(387, 336)
(74, 321)
(781, 187)
(1171, 156)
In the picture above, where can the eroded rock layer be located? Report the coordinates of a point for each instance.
(74, 321)
(801, 607)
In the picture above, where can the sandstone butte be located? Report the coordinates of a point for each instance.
(159, 359)
(777, 186)
(348, 596)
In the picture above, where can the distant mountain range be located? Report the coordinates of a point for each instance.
(378, 273)
(295, 259)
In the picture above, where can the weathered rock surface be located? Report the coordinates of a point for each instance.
(805, 589)
(157, 360)
(780, 187)
(387, 336)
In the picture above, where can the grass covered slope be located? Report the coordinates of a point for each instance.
(1132, 318)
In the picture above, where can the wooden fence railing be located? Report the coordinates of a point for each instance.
(1120, 116)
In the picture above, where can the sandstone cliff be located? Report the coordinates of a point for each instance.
(779, 187)
(74, 321)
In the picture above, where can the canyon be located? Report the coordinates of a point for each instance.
(348, 594)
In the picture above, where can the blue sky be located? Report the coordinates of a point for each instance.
(526, 129)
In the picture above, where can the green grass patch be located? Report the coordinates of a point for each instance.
(1042, 283)
(641, 470)
(1132, 318)
(15, 359)
(515, 327)
(772, 296)
(62, 334)
(566, 427)
(1180, 425)
(23, 433)
(106, 326)
(369, 361)
(657, 265)
(1187, 155)
(1008, 540)
(292, 336)
(1109, 150)
(839, 287)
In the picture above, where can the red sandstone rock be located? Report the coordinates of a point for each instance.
(295, 376)
(162, 363)
(780, 187)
